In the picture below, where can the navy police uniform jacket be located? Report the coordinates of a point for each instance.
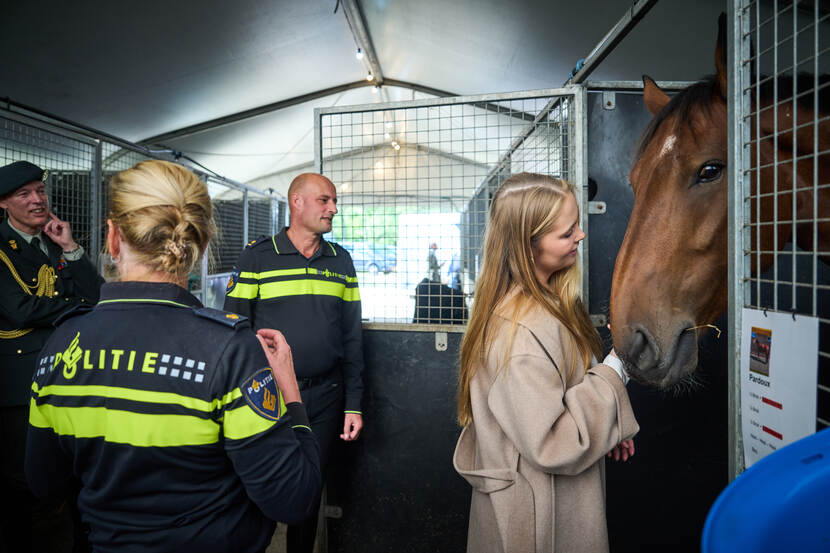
(77, 283)
(314, 302)
(168, 414)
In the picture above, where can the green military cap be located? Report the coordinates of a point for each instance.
(14, 175)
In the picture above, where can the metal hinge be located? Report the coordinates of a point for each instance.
(440, 341)
(609, 99)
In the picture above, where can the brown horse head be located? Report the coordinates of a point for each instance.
(670, 276)
(670, 273)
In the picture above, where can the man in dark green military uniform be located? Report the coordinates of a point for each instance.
(43, 274)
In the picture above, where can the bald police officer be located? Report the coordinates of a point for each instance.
(43, 274)
(305, 286)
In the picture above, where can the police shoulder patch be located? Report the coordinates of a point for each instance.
(263, 396)
(217, 315)
(232, 280)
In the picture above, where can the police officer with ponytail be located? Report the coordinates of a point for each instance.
(185, 429)
(43, 273)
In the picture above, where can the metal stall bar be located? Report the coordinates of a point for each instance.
(618, 32)
(95, 242)
(738, 135)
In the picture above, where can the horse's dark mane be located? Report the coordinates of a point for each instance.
(701, 95)
(698, 96)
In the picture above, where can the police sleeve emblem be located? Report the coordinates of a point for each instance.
(232, 280)
(263, 396)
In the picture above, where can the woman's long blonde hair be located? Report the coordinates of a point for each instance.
(524, 209)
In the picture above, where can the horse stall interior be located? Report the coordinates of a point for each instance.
(414, 173)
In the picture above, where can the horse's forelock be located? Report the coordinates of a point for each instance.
(697, 97)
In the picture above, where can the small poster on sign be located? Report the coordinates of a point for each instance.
(779, 364)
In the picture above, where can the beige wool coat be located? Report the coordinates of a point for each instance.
(535, 452)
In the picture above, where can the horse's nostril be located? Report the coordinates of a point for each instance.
(638, 341)
(642, 351)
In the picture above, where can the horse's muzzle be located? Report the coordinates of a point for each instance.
(654, 364)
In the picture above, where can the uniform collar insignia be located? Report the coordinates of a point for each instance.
(13, 243)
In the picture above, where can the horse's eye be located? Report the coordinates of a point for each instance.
(709, 171)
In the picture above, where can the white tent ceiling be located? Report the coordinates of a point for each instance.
(140, 70)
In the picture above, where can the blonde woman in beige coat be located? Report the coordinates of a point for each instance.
(539, 414)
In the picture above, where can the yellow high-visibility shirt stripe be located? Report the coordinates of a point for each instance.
(145, 396)
(293, 272)
(244, 291)
(272, 274)
(308, 287)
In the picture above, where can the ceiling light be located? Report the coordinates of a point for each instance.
(396, 146)
(386, 136)
(359, 54)
(345, 187)
(375, 89)
(379, 165)
(370, 77)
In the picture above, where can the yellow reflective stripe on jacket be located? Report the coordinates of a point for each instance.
(244, 291)
(243, 422)
(293, 272)
(145, 396)
(124, 427)
(328, 273)
(351, 294)
(272, 274)
(306, 287)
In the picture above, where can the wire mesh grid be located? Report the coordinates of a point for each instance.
(261, 217)
(81, 167)
(69, 162)
(784, 109)
(414, 182)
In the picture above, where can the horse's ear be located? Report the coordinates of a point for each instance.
(655, 98)
(720, 55)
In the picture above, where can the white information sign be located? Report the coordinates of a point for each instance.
(779, 367)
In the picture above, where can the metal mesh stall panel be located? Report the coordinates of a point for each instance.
(229, 220)
(261, 217)
(69, 160)
(237, 224)
(415, 180)
(81, 164)
(783, 106)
